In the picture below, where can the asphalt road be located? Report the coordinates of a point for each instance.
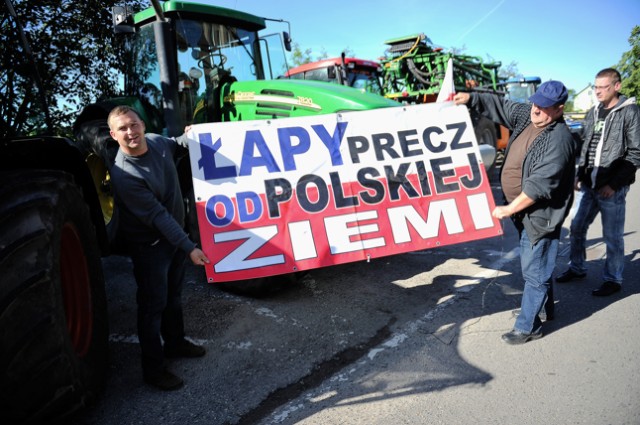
(408, 339)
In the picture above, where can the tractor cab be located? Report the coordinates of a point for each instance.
(521, 89)
(194, 63)
(182, 54)
(360, 74)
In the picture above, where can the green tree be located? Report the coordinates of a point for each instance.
(300, 57)
(568, 106)
(76, 56)
(350, 53)
(323, 54)
(509, 71)
(629, 66)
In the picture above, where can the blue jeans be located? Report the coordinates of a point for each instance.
(612, 213)
(159, 271)
(537, 262)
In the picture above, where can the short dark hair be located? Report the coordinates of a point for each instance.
(121, 110)
(613, 74)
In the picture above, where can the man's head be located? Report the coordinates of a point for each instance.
(127, 128)
(548, 103)
(608, 82)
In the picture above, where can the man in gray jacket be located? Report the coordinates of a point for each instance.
(608, 162)
(147, 194)
(537, 182)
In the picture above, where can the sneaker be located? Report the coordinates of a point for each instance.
(516, 337)
(607, 288)
(163, 380)
(570, 275)
(184, 349)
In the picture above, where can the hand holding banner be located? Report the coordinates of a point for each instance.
(280, 196)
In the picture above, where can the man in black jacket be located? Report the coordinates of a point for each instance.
(608, 162)
(537, 182)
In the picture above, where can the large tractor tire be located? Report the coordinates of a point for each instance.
(486, 134)
(100, 151)
(485, 131)
(53, 315)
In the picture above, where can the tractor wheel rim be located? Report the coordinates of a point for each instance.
(76, 290)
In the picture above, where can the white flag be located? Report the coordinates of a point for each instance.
(447, 91)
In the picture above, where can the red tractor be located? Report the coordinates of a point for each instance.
(361, 74)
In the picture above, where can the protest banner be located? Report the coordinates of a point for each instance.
(286, 195)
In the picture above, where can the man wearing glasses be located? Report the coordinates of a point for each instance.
(608, 162)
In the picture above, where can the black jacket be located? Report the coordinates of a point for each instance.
(548, 169)
(618, 151)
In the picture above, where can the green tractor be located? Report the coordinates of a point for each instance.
(193, 63)
(188, 63)
(414, 71)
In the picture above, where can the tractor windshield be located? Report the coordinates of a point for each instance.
(207, 54)
(365, 80)
(520, 92)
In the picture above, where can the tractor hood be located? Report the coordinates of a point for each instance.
(283, 98)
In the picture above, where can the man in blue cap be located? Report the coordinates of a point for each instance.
(537, 182)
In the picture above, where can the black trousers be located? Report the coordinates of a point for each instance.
(159, 272)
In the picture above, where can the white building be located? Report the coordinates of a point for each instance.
(585, 99)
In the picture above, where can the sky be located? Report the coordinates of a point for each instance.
(566, 40)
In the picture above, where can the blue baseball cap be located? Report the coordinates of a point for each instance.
(550, 93)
